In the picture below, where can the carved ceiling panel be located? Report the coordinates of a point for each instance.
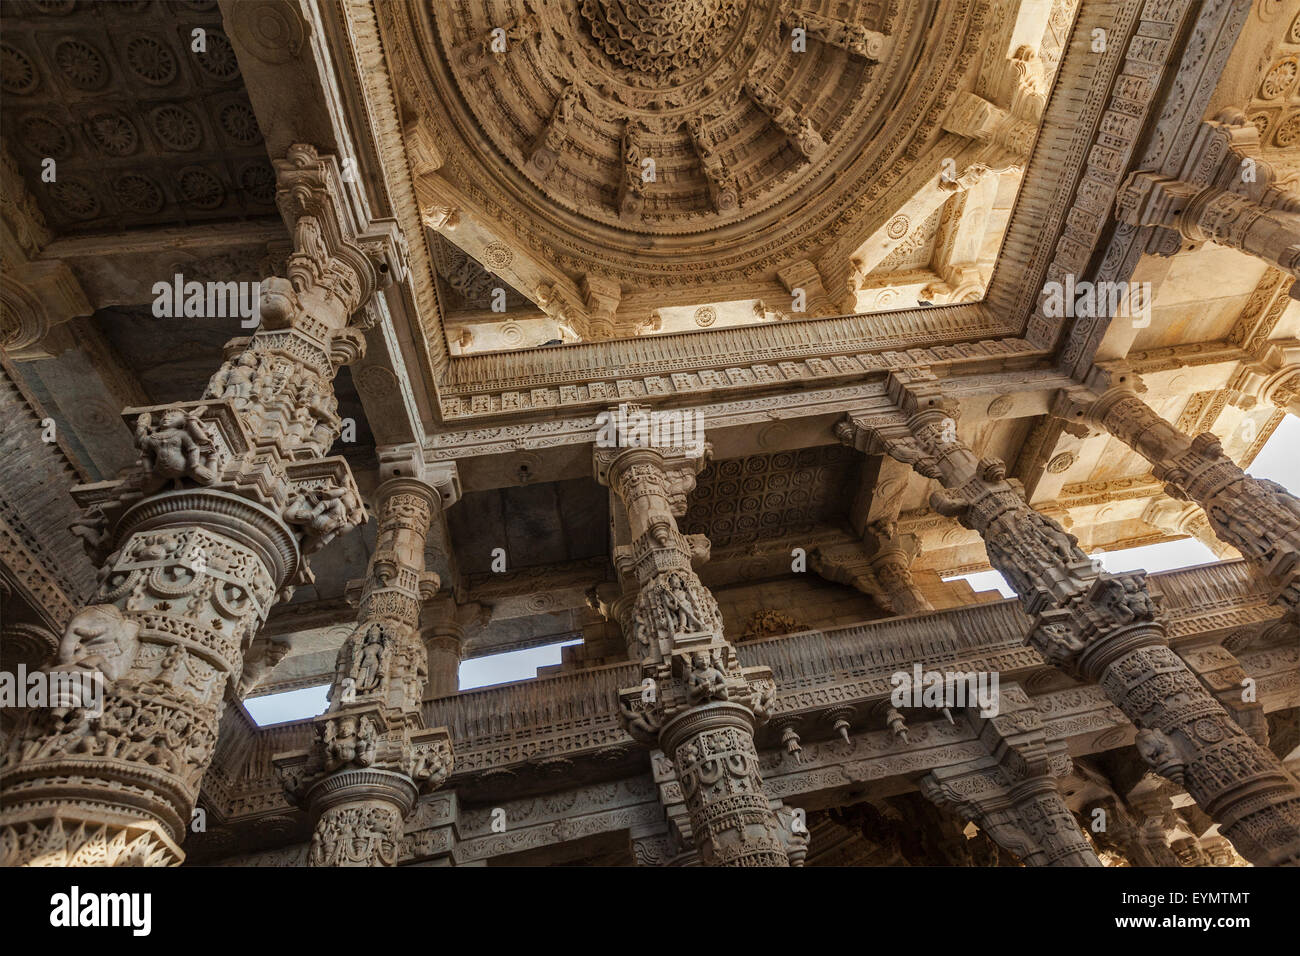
(142, 128)
(465, 284)
(740, 500)
(1275, 107)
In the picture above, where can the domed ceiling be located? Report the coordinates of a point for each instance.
(679, 145)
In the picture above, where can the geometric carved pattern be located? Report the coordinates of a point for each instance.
(560, 117)
(744, 499)
(143, 130)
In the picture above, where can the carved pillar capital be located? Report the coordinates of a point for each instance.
(1011, 794)
(1224, 192)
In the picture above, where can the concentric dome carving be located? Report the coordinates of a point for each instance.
(619, 137)
(660, 37)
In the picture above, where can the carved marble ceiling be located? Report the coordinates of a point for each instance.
(744, 500)
(609, 158)
(143, 128)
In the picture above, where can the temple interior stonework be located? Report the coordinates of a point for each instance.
(721, 347)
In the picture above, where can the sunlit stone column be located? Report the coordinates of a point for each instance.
(212, 526)
(1097, 626)
(1225, 192)
(697, 703)
(444, 641)
(1258, 517)
(372, 756)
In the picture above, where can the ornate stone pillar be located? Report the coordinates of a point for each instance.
(697, 703)
(194, 546)
(1012, 794)
(1098, 627)
(1225, 192)
(372, 756)
(444, 639)
(891, 560)
(1258, 517)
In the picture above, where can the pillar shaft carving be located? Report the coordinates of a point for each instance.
(1258, 517)
(696, 701)
(1099, 627)
(194, 545)
(372, 755)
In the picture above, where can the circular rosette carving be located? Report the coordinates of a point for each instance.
(233, 600)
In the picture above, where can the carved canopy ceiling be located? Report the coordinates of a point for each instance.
(674, 151)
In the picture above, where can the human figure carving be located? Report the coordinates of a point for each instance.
(706, 682)
(179, 446)
(680, 605)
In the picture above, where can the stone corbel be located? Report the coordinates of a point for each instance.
(1186, 517)
(407, 461)
(976, 118)
(803, 276)
(851, 37)
(1273, 380)
(338, 262)
(799, 130)
(847, 564)
(601, 297)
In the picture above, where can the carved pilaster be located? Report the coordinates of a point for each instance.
(195, 544)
